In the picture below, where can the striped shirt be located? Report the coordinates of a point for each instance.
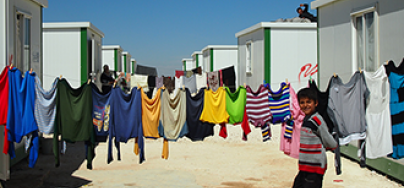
(257, 106)
(279, 103)
(314, 138)
(45, 106)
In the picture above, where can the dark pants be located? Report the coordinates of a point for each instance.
(308, 180)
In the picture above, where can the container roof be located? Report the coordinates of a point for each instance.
(125, 53)
(42, 3)
(222, 47)
(196, 52)
(186, 59)
(146, 70)
(59, 25)
(279, 25)
(132, 59)
(319, 3)
(111, 47)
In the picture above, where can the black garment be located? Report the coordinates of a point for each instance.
(307, 15)
(322, 104)
(391, 67)
(169, 84)
(321, 108)
(151, 82)
(198, 130)
(229, 78)
(197, 70)
(308, 180)
(105, 80)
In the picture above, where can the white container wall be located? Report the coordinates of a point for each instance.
(71, 49)
(126, 63)
(197, 60)
(275, 52)
(337, 37)
(27, 15)
(112, 56)
(188, 64)
(217, 57)
(341, 48)
(133, 65)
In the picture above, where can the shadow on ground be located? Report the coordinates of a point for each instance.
(45, 174)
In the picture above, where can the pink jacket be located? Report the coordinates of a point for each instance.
(291, 146)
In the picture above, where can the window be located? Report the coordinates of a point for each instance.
(23, 41)
(248, 57)
(365, 39)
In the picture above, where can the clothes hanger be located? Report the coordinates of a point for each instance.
(138, 86)
(30, 71)
(335, 75)
(360, 70)
(88, 81)
(60, 77)
(11, 61)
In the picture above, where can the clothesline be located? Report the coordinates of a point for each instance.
(115, 114)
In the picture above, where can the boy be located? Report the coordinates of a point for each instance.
(314, 140)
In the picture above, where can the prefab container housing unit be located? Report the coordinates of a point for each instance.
(187, 64)
(217, 57)
(72, 50)
(275, 52)
(197, 59)
(112, 56)
(126, 63)
(133, 65)
(25, 46)
(362, 34)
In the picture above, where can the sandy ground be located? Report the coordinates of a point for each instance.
(215, 162)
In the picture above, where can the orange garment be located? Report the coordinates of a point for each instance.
(214, 107)
(151, 114)
(150, 117)
(164, 154)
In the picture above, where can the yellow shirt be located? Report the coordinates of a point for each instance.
(214, 107)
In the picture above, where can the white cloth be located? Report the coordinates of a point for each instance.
(378, 140)
(173, 114)
(140, 80)
(178, 84)
(201, 80)
(97, 81)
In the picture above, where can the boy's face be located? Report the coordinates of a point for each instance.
(308, 106)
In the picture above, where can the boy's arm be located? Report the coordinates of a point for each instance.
(322, 132)
(306, 7)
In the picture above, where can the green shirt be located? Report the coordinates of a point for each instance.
(73, 119)
(235, 104)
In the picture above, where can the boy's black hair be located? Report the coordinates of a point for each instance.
(297, 10)
(307, 93)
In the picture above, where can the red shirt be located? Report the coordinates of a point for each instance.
(4, 104)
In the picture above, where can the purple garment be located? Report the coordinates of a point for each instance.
(159, 82)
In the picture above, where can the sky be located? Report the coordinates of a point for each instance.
(161, 33)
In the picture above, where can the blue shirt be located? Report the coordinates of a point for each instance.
(101, 111)
(125, 120)
(20, 117)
